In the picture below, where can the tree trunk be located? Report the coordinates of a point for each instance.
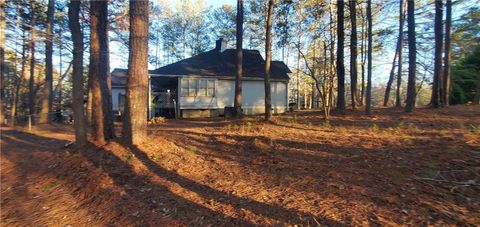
(77, 75)
(412, 57)
(47, 87)
(135, 121)
(2, 58)
(437, 74)
(388, 89)
(446, 70)
(95, 76)
(268, 58)
(363, 57)
(340, 56)
(31, 83)
(102, 114)
(398, 102)
(104, 65)
(353, 53)
(368, 107)
(239, 66)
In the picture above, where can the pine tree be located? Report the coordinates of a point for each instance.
(412, 57)
(340, 56)
(47, 88)
(78, 90)
(239, 65)
(135, 121)
(268, 58)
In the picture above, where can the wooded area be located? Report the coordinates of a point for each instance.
(360, 70)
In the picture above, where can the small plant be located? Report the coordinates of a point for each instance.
(154, 157)
(375, 127)
(327, 123)
(192, 149)
(129, 156)
(249, 126)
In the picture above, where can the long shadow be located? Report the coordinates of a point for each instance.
(124, 177)
(284, 215)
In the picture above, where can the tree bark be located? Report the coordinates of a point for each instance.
(77, 74)
(446, 70)
(398, 102)
(268, 58)
(104, 65)
(368, 107)
(102, 114)
(31, 83)
(95, 76)
(363, 59)
(353, 53)
(437, 74)
(135, 121)
(340, 56)
(2, 59)
(412, 57)
(47, 87)
(239, 65)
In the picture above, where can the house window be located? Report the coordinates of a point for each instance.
(188, 87)
(197, 87)
(121, 101)
(202, 88)
(211, 88)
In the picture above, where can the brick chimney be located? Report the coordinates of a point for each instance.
(221, 45)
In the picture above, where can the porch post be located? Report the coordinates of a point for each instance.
(149, 98)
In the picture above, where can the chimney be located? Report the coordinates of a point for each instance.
(221, 45)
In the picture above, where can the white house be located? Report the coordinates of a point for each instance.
(204, 85)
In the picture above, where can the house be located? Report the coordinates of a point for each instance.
(204, 85)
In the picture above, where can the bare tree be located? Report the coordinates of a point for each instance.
(388, 89)
(412, 57)
(446, 70)
(353, 53)
(401, 20)
(268, 58)
(340, 56)
(2, 58)
(437, 74)
(135, 121)
(78, 90)
(47, 87)
(368, 107)
(239, 66)
(31, 82)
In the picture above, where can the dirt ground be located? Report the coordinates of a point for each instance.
(390, 168)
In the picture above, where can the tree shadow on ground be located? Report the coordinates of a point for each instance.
(160, 198)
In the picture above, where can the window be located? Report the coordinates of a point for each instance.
(211, 88)
(197, 87)
(121, 101)
(202, 88)
(188, 87)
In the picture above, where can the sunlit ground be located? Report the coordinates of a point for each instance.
(390, 168)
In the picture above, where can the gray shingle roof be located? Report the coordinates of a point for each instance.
(215, 63)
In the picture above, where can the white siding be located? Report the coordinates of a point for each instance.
(253, 96)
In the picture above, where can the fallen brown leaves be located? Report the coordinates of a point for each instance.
(391, 168)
